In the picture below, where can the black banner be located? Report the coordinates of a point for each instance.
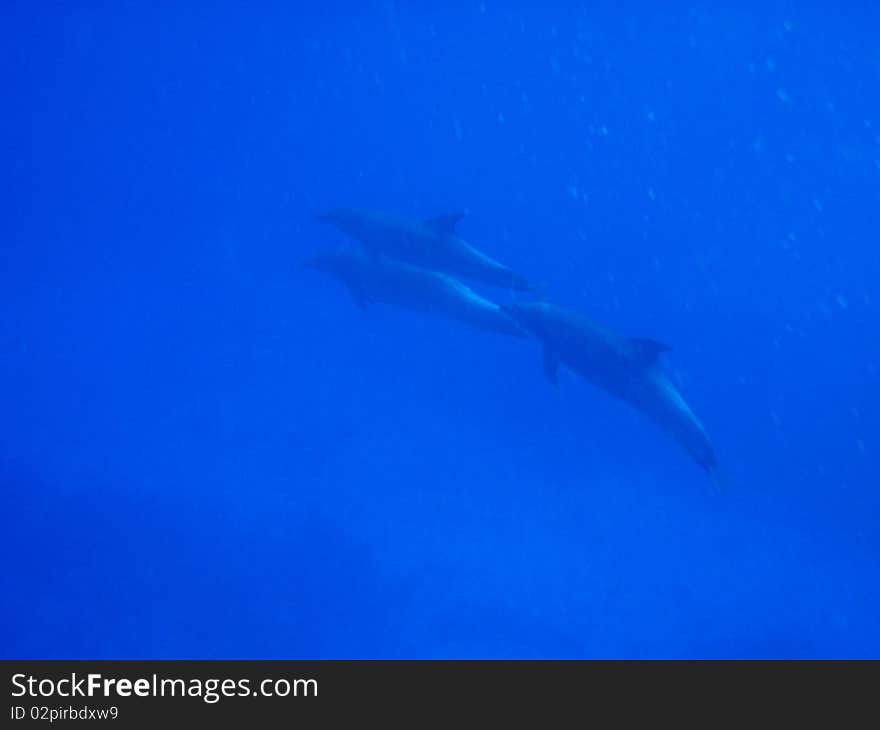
(144, 693)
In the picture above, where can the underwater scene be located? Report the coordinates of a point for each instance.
(440, 330)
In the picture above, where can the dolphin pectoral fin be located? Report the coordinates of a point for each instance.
(444, 223)
(357, 294)
(647, 351)
(718, 482)
(551, 365)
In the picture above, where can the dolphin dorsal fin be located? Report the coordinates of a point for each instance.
(444, 223)
(647, 351)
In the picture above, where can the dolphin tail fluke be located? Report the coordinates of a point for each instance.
(535, 288)
(517, 284)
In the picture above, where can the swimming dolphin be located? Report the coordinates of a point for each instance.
(391, 282)
(432, 244)
(626, 368)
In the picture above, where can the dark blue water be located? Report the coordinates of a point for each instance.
(207, 451)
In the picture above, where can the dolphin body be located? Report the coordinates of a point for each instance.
(372, 279)
(432, 244)
(626, 368)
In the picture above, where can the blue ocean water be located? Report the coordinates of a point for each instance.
(209, 451)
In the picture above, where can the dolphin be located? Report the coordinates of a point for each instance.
(432, 244)
(391, 282)
(628, 369)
